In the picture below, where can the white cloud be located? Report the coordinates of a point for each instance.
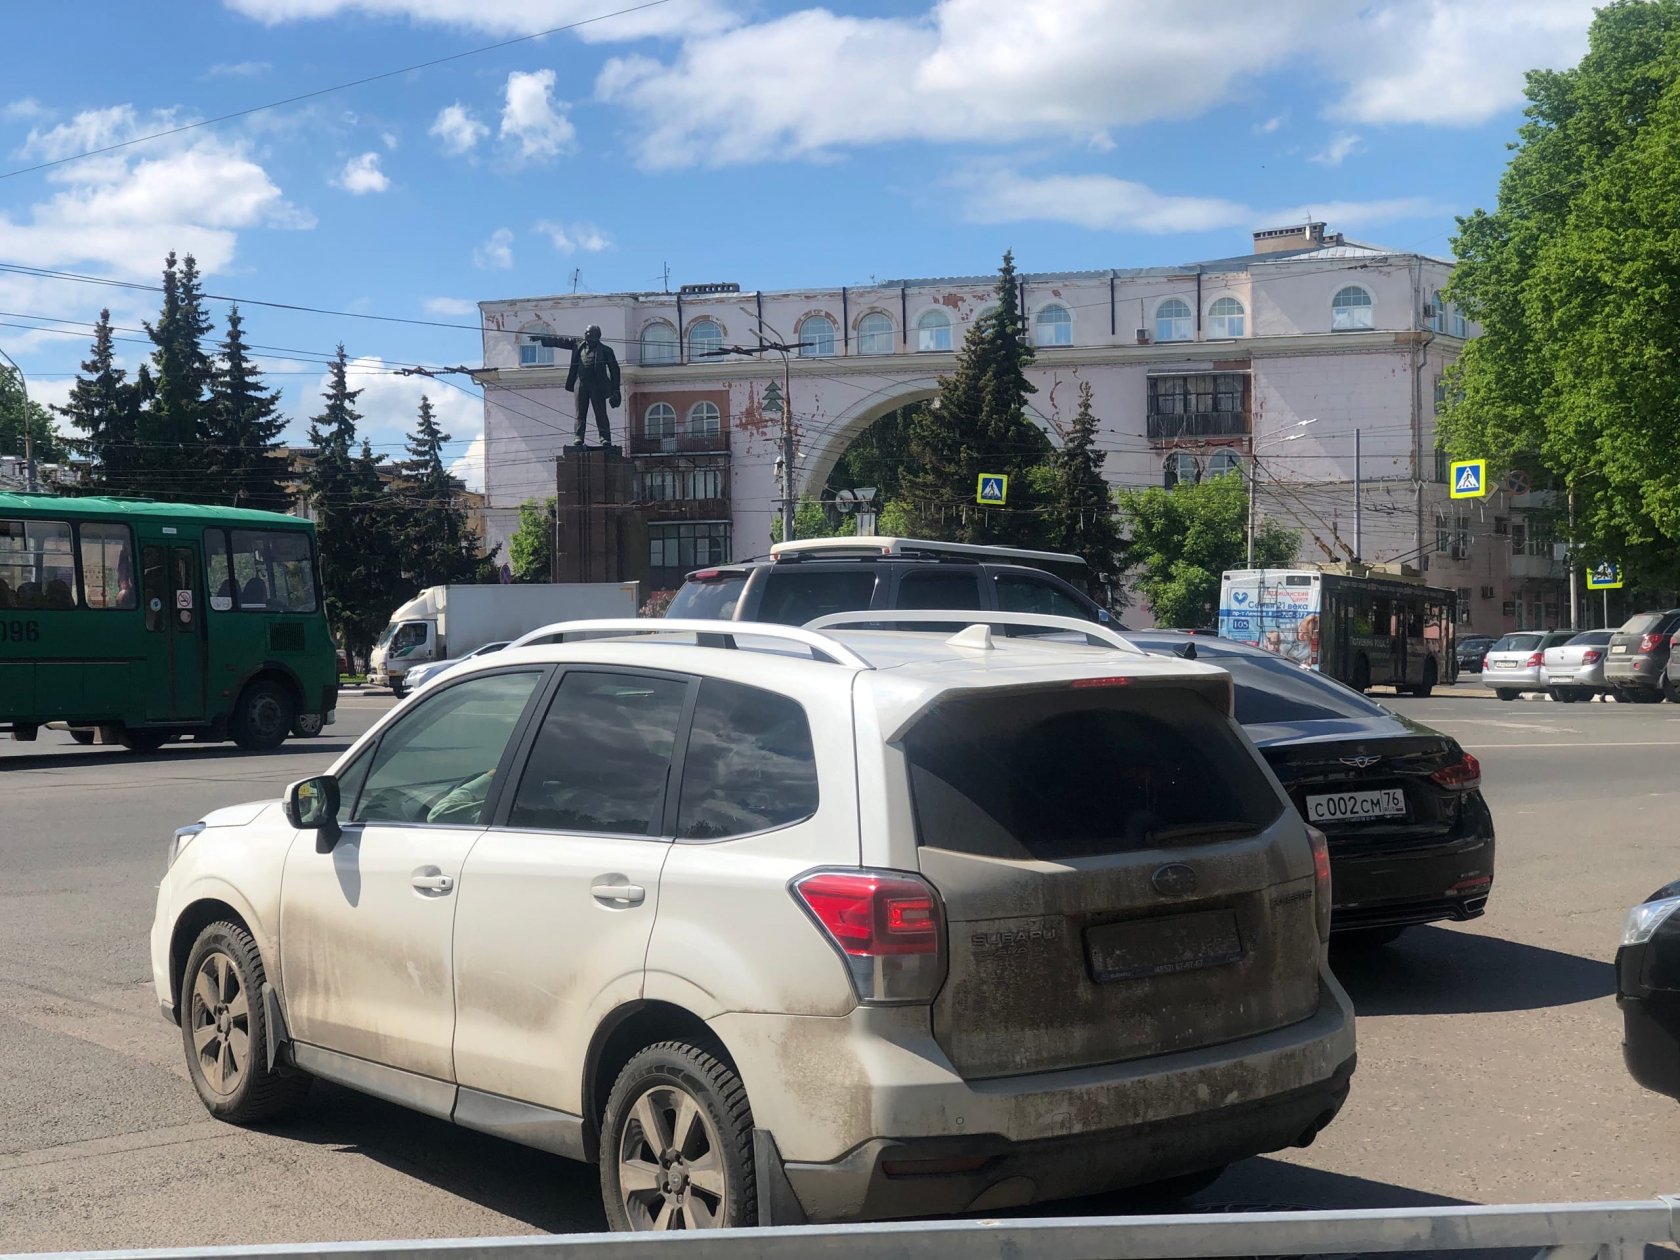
(450, 306)
(390, 404)
(1272, 124)
(496, 254)
(1342, 144)
(530, 118)
(470, 467)
(239, 69)
(388, 139)
(458, 130)
(676, 17)
(361, 174)
(125, 211)
(568, 238)
(995, 193)
(26, 108)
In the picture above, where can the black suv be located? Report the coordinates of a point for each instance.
(803, 581)
(1636, 665)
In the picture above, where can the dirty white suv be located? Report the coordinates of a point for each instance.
(779, 925)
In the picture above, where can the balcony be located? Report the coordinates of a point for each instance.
(1538, 568)
(681, 444)
(663, 511)
(1169, 426)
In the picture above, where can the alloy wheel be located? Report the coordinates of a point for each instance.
(221, 1023)
(670, 1164)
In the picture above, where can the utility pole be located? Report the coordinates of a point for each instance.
(1574, 569)
(1358, 548)
(787, 489)
(1253, 493)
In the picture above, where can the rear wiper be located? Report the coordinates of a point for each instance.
(1199, 830)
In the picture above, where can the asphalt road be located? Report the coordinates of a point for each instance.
(1490, 1067)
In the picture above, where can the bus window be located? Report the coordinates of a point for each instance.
(36, 567)
(216, 577)
(273, 571)
(107, 566)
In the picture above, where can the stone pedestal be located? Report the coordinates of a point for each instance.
(601, 536)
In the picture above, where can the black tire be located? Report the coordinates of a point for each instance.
(1361, 675)
(138, 739)
(675, 1068)
(82, 737)
(1506, 693)
(211, 1031)
(1670, 692)
(1648, 695)
(1563, 695)
(1430, 678)
(399, 688)
(263, 717)
(309, 725)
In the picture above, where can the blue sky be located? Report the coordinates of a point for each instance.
(766, 143)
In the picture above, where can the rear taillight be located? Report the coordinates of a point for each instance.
(888, 926)
(1535, 659)
(1650, 642)
(1321, 879)
(1461, 776)
(1591, 656)
(706, 575)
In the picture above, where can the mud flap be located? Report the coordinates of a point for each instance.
(274, 1025)
(777, 1204)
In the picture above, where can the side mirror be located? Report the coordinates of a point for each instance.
(312, 805)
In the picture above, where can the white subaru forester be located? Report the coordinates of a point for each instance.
(781, 925)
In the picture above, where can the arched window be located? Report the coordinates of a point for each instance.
(1181, 467)
(875, 334)
(704, 420)
(933, 331)
(659, 344)
(1227, 319)
(660, 423)
(1460, 325)
(1437, 313)
(1350, 309)
(1221, 463)
(705, 337)
(1053, 326)
(1172, 321)
(532, 353)
(816, 337)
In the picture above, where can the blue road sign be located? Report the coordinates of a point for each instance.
(1469, 478)
(992, 489)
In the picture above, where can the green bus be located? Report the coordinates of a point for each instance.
(145, 622)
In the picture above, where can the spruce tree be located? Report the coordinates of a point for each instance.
(330, 485)
(436, 544)
(242, 427)
(1079, 510)
(172, 429)
(978, 424)
(106, 408)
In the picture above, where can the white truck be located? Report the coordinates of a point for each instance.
(443, 622)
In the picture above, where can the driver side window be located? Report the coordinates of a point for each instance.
(437, 763)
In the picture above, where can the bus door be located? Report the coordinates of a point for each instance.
(174, 607)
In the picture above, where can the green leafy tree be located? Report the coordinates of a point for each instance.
(21, 416)
(242, 427)
(1574, 279)
(531, 546)
(1079, 508)
(173, 425)
(978, 424)
(810, 520)
(1183, 540)
(105, 407)
(436, 543)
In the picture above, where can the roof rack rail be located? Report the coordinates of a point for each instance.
(723, 634)
(1095, 635)
(881, 545)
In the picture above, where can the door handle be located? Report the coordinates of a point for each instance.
(433, 883)
(618, 891)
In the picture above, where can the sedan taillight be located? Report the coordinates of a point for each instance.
(1321, 879)
(1538, 658)
(1591, 656)
(888, 926)
(1461, 775)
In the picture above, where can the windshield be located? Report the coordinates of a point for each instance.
(1517, 643)
(385, 639)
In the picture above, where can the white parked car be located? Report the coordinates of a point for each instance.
(431, 671)
(780, 926)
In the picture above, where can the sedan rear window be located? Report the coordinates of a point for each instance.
(1517, 643)
(1591, 638)
(1280, 691)
(1059, 774)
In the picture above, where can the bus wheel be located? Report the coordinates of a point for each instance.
(142, 740)
(308, 725)
(82, 737)
(1429, 680)
(1361, 675)
(263, 718)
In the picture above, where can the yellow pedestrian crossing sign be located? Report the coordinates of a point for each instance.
(992, 490)
(1469, 478)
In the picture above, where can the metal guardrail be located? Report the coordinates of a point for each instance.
(1563, 1231)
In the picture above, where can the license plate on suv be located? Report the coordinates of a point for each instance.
(1156, 947)
(1352, 806)
(1618, 649)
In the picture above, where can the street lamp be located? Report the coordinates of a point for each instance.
(1254, 472)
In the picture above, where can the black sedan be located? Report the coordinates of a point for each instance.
(1471, 650)
(1411, 839)
(1648, 991)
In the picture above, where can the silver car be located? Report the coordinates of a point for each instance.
(1516, 663)
(1575, 670)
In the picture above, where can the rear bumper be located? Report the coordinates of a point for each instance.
(1517, 679)
(1634, 671)
(1421, 884)
(1025, 1139)
(1587, 676)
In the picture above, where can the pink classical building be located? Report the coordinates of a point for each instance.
(1307, 362)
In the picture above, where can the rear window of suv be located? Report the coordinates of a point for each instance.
(795, 594)
(1644, 623)
(1060, 774)
(708, 599)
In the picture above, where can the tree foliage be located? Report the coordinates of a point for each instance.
(20, 416)
(171, 428)
(811, 520)
(1575, 281)
(435, 543)
(241, 426)
(978, 424)
(1079, 508)
(105, 406)
(1183, 540)
(531, 545)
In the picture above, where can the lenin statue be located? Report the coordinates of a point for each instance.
(594, 379)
